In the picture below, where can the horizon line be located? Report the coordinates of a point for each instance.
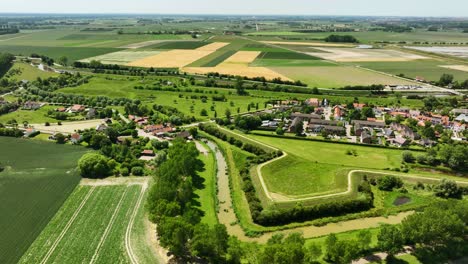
(227, 14)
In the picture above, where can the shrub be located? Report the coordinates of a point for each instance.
(124, 171)
(408, 156)
(388, 183)
(93, 165)
(137, 171)
(448, 189)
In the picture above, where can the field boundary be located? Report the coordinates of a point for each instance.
(65, 229)
(128, 232)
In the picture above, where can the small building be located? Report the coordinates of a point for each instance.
(101, 128)
(366, 138)
(77, 108)
(315, 102)
(401, 141)
(75, 138)
(148, 153)
(185, 135)
(91, 113)
(29, 131)
(462, 118)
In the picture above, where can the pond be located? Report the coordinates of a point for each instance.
(401, 200)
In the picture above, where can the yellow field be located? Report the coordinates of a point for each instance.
(243, 57)
(177, 58)
(456, 67)
(238, 64)
(364, 55)
(312, 44)
(213, 46)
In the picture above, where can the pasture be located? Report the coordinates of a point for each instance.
(45, 174)
(169, 45)
(320, 167)
(206, 195)
(92, 226)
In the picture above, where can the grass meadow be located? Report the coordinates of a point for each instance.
(29, 72)
(319, 167)
(45, 174)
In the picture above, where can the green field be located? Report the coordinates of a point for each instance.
(291, 63)
(336, 77)
(320, 167)
(170, 45)
(38, 178)
(32, 117)
(375, 36)
(286, 55)
(217, 60)
(72, 53)
(117, 86)
(99, 217)
(29, 72)
(428, 69)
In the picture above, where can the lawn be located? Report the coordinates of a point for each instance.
(45, 174)
(32, 117)
(97, 232)
(207, 194)
(319, 167)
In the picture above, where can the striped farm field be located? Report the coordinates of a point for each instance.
(42, 172)
(93, 226)
(177, 58)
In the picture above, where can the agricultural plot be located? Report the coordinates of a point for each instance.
(177, 45)
(122, 57)
(456, 67)
(430, 70)
(238, 64)
(72, 53)
(363, 55)
(177, 58)
(45, 174)
(310, 44)
(460, 52)
(92, 226)
(337, 76)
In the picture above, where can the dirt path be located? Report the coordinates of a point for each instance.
(201, 148)
(65, 229)
(108, 228)
(128, 232)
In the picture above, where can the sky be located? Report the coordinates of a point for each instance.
(457, 8)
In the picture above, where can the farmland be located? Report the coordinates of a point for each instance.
(43, 172)
(92, 225)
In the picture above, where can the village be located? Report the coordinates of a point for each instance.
(387, 126)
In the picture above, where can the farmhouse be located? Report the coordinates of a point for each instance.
(404, 131)
(160, 128)
(76, 108)
(334, 130)
(315, 102)
(147, 152)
